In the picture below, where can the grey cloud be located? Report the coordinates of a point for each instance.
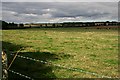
(60, 11)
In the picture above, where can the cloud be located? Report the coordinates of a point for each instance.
(0, 11)
(59, 11)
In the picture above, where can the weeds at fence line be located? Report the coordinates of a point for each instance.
(14, 58)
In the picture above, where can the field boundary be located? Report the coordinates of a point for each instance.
(56, 65)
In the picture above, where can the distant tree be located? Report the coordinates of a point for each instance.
(4, 24)
(21, 25)
(53, 25)
(12, 25)
(0, 24)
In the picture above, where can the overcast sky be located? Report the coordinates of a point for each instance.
(36, 12)
(60, 0)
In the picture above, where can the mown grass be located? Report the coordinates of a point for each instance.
(94, 50)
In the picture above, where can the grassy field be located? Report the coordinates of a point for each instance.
(86, 50)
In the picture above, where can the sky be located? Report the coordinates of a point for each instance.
(60, 0)
(59, 11)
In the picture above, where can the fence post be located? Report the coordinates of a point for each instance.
(0, 65)
(4, 66)
(0, 58)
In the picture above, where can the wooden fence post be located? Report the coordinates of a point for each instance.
(0, 65)
(4, 66)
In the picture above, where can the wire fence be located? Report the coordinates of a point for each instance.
(56, 65)
(22, 75)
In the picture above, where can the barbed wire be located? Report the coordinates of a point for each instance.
(57, 65)
(32, 59)
(22, 75)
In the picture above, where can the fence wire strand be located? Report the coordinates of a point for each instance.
(63, 67)
(22, 75)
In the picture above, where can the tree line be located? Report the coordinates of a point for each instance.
(6, 25)
(12, 25)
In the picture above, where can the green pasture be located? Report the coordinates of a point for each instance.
(90, 50)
